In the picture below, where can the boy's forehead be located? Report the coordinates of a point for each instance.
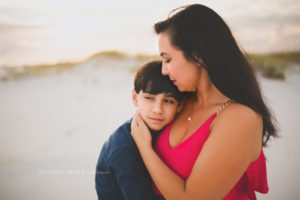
(166, 94)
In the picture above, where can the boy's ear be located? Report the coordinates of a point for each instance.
(134, 98)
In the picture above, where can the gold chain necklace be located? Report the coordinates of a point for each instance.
(224, 105)
(189, 118)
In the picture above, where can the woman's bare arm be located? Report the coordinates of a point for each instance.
(234, 141)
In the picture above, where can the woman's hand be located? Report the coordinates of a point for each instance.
(140, 132)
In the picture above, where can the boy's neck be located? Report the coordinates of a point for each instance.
(154, 135)
(153, 132)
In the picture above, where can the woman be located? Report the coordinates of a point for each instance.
(213, 149)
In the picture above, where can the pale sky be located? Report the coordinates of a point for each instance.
(50, 31)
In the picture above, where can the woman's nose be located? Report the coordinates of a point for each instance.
(164, 70)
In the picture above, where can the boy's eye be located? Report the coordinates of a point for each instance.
(169, 101)
(148, 97)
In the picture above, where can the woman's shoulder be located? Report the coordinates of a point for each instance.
(236, 112)
(240, 124)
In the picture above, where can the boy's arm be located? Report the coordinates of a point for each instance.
(132, 176)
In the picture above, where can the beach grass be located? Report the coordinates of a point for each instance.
(274, 65)
(271, 65)
(115, 55)
(37, 70)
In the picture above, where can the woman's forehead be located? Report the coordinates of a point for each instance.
(164, 40)
(165, 46)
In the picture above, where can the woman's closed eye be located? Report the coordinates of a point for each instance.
(166, 60)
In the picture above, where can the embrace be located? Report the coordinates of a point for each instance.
(200, 121)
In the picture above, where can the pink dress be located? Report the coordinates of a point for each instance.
(181, 160)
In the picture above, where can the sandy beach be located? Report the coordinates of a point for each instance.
(52, 128)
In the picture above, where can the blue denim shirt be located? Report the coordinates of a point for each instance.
(120, 172)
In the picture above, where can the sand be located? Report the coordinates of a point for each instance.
(52, 128)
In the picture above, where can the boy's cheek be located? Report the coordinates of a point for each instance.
(140, 111)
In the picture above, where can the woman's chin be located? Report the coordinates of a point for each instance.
(181, 89)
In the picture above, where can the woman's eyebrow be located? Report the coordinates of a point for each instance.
(163, 53)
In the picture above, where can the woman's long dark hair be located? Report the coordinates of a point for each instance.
(200, 32)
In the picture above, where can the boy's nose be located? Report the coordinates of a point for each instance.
(157, 108)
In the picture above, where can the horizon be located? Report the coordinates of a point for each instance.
(48, 31)
(126, 54)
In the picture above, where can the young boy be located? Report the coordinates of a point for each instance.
(120, 172)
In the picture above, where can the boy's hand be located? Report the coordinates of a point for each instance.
(140, 132)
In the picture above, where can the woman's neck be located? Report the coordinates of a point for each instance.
(206, 93)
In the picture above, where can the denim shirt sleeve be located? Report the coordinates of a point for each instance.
(131, 175)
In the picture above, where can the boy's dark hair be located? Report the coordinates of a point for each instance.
(149, 79)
